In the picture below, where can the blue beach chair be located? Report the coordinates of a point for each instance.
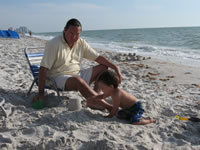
(34, 57)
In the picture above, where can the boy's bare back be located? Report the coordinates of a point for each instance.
(124, 99)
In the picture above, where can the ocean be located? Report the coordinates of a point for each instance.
(179, 44)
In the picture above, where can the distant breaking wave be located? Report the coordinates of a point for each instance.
(180, 45)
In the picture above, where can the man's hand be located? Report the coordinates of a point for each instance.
(102, 60)
(39, 97)
(119, 74)
(38, 102)
(108, 116)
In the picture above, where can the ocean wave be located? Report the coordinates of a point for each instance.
(178, 55)
(43, 37)
(175, 51)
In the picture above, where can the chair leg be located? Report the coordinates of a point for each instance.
(31, 87)
(55, 88)
(57, 91)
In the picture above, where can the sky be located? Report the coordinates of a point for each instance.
(52, 15)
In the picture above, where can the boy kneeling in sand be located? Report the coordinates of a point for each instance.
(131, 108)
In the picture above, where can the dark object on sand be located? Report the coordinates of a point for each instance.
(193, 119)
(9, 34)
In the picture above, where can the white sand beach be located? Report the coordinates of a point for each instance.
(165, 88)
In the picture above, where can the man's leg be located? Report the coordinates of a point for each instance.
(78, 84)
(96, 72)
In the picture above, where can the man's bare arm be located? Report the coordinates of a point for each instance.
(41, 84)
(102, 60)
(41, 80)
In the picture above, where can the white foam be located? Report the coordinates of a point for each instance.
(178, 55)
(43, 37)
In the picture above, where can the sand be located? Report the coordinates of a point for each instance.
(166, 89)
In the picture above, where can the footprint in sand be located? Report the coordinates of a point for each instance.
(151, 78)
(170, 76)
(196, 85)
(187, 73)
(163, 79)
(28, 131)
(4, 139)
(153, 74)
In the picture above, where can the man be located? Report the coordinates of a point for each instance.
(61, 61)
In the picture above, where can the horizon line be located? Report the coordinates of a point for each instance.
(128, 28)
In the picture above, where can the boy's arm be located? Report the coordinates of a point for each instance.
(116, 102)
(97, 97)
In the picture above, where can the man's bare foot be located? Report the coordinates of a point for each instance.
(144, 122)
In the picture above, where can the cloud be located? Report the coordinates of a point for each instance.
(48, 16)
(148, 8)
(68, 7)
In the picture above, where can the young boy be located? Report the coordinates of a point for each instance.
(131, 108)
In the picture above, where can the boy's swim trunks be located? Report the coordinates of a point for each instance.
(132, 114)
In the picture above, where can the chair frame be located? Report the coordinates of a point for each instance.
(35, 69)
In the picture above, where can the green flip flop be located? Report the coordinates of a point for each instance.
(38, 104)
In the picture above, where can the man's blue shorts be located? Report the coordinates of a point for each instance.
(132, 114)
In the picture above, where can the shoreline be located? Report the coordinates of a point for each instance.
(184, 60)
(176, 73)
(154, 57)
(166, 89)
